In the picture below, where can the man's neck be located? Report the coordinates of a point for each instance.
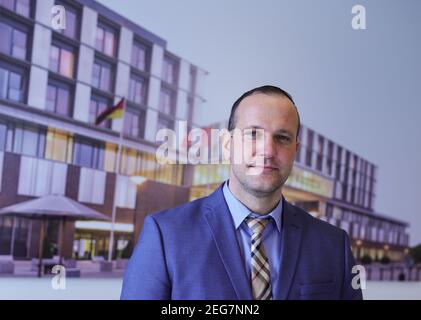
(260, 205)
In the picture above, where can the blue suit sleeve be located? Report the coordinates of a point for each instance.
(146, 276)
(348, 292)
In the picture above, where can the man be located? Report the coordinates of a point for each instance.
(244, 241)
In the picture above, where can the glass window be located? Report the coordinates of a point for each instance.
(166, 103)
(169, 70)
(164, 123)
(3, 136)
(137, 90)
(140, 56)
(23, 7)
(62, 60)
(58, 98)
(19, 6)
(14, 40)
(106, 40)
(101, 75)
(72, 21)
(88, 153)
(11, 84)
(29, 140)
(97, 106)
(58, 146)
(134, 123)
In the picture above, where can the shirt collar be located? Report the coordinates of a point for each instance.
(239, 211)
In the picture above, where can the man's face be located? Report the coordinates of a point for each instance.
(269, 157)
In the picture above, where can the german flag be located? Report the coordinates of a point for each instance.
(114, 112)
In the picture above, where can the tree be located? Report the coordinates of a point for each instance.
(415, 253)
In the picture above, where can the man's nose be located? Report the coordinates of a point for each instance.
(267, 146)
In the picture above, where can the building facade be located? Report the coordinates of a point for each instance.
(333, 184)
(53, 85)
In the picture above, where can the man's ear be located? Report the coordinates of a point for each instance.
(298, 145)
(226, 145)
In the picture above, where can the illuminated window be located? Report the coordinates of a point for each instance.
(62, 59)
(59, 146)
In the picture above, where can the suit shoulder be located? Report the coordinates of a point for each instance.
(180, 213)
(317, 224)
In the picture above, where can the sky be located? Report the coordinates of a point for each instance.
(359, 88)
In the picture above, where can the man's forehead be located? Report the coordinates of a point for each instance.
(270, 109)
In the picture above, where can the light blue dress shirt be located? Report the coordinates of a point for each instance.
(271, 235)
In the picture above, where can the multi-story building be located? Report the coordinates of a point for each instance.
(53, 85)
(333, 184)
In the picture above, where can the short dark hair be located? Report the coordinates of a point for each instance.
(265, 90)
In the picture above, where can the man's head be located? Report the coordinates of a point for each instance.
(271, 110)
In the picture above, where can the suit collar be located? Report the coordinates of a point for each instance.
(222, 227)
(290, 248)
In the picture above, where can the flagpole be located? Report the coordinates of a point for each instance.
(114, 209)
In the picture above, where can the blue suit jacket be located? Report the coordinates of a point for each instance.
(191, 252)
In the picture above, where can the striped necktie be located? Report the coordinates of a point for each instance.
(260, 270)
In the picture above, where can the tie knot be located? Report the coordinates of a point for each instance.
(257, 225)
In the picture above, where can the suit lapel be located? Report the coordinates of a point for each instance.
(291, 241)
(222, 227)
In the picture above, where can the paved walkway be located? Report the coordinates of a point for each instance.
(110, 288)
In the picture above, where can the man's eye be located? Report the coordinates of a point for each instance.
(253, 134)
(283, 138)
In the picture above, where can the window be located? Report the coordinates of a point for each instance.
(29, 140)
(22, 7)
(12, 84)
(193, 75)
(167, 101)
(3, 136)
(13, 39)
(106, 39)
(319, 162)
(309, 153)
(137, 89)
(38, 177)
(88, 153)
(169, 70)
(59, 146)
(91, 186)
(164, 123)
(97, 106)
(102, 75)
(72, 21)
(329, 157)
(140, 56)
(134, 123)
(58, 98)
(62, 59)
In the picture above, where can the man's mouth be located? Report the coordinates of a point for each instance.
(265, 168)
